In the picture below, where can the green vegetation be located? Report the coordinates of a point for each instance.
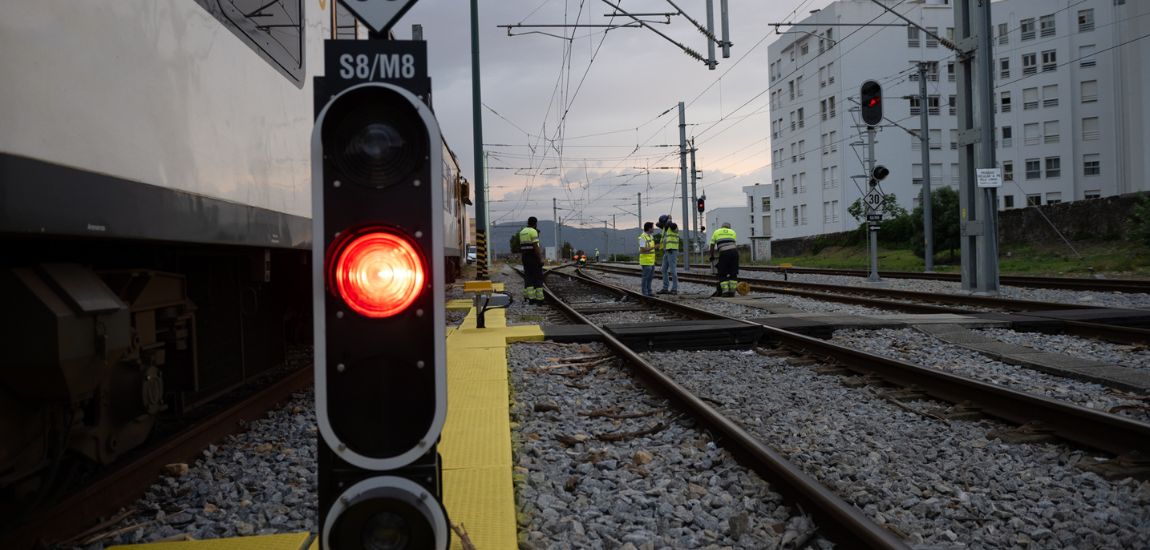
(901, 246)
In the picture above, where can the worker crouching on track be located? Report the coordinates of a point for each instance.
(532, 262)
(647, 257)
(723, 240)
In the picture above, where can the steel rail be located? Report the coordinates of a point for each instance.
(1098, 430)
(126, 482)
(839, 520)
(1031, 281)
(931, 297)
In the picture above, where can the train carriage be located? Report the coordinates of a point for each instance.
(154, 212)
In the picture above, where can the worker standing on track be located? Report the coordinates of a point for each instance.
(723, 240)
(596, 255)
(532, 262)
(647, 257)
(670, 246)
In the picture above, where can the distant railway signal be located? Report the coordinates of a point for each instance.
(378, 269)
(870, 97)
(701, 204)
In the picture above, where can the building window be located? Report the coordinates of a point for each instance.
(1092, 194)
(802, 149)
(954, 174)
(1053, 197)
(799, 86)
(1029, 63)
(1034, 200)
(792, 121)
(823, 109)
(1033, 169)
(950, 71)
(1027, 26)
(1089, 91)
(1029, 98)
(801, 117)
(802, 182)
(1090, 131)
(794, 184)
(1003, 33)
(1030, 135)
(932, 105)
(831, 105)
(791, 88)
(1086, 55)
(1050, 131)
(1053, 169)
(912, 37)
(915, 141)
(954, 140)
(916, 174)
(952, 103)
(803, 213)
(766, 207)
(830, 73)
(1004, 67)
(1008, 201)
(931, 41)
(822, 77)
(936, 139)
(794, 152)
(1085, 20)
(1007, 170)
(1004, 99)
(1046, 25)
(915, 107)
(804, 47)
(1050, 95)
(833, 141)
(1049, 60)
(795, 215)
(1091, 165)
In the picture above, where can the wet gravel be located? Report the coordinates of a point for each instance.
(673, 488)
(914, 347)
(940, 485)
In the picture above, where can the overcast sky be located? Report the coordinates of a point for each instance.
(571, 112)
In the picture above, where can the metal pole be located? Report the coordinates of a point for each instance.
(726, 29)
(683, 169)
(606, 242)
(640, 211)
(477, 149)
(924, 140)
(989, 204)
(555, 230)
(711, 63)
(872, 230)
(694, 228)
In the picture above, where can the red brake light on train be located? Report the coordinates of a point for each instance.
(379, 274)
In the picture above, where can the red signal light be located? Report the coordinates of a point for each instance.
(873, 101)
(379, 274)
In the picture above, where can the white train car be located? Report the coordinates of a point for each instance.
(154, 211)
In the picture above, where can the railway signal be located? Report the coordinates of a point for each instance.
(701, 204)
(378, 269)
(870, 97)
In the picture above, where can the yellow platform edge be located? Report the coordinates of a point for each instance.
(479, 493)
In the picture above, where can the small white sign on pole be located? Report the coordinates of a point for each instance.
(989, 177)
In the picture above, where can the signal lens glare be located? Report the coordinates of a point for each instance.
(379, 274)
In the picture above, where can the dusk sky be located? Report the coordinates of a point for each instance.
(563, 117)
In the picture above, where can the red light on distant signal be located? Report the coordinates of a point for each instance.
(873, 101)
(379, 274)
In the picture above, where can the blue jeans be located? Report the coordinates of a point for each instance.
(671, 266)
(648, 274)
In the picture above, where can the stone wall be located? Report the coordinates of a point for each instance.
(1096, 219)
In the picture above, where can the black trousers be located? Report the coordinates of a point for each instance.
(728, 266)
(533, 270)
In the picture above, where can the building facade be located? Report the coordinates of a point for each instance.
(760, 210)
(1069, 89)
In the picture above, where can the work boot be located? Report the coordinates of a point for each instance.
(674, 292)
(664, 291)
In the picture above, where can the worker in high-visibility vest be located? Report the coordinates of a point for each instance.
(723, 241)
(532, 262)
(670, 245)
(596, 255)
(647, 256)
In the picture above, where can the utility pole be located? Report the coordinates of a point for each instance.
(613, 225)
(683, 167)
(606, 242)
(978, 206)
(694, 198)
(924, 139)
(555, 230)
(639, 202)
(477, 137)
(711, 63)
(726, 29)
(872, 227)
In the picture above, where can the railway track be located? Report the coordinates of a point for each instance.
(73, 517)
(1101, 431)
(1066, 283)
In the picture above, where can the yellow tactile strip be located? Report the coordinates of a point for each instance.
(476, 444)
(289, 541)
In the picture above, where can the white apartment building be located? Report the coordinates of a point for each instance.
(759, 212)
(1069, 94)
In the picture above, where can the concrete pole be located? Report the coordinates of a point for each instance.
(711, 63)
(692, 232)
(989, 204)
(639, 199)
(726, 24)
(555, 230)
(924, 140)
(683, 169)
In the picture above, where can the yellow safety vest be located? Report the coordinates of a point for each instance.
(528, 236)
(724, 239)
(646, 241)
(670, 240)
